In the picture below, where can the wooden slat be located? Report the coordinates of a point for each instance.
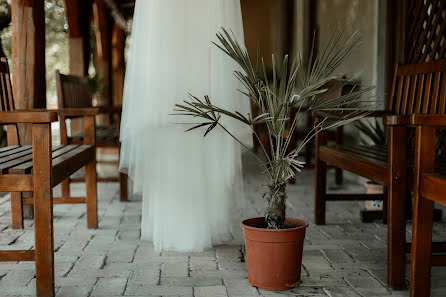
(434, 99)
(99, 179)
(14, 149)
(433, 187)
(405, 94)
(437, 247)
(58, 200)
(398, 95)
(427, 92)
(18, 255)
(419, 98)
(67, 164)
(16, 183)
(438, 260)
(27, 166)
(7, 148)
(413, 88)
(368, 168)
(20, 164)
(354, 197)
(442, 104)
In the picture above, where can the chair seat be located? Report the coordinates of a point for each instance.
(374, 158)
(66, 160)
(106, 136)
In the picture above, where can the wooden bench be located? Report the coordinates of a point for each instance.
(37, 169)
(416, 89)
(429, 187)
(75, 92)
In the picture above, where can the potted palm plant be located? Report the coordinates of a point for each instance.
(274, 242)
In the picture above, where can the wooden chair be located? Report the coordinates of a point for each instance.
(416, 89)
(37, 169)
(75, 91)
(429, 187)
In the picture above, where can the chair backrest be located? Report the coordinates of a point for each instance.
(419, 88)
(7, 100)
(73, 91)
(6, 97)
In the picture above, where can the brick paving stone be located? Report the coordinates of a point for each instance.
(71, 291)
(17, 278)
(341, 292)
(240, 288)
(174, 269)
(109, 286)
(90, 262)
(158, 290)
(337, 256)
(144, 276)
(225, 274)
(225, 265)
(121, 255)
(197, 263)
(341, 258)
(211, 291)
(191, 281)
(367, 286)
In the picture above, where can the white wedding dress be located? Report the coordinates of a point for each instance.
(191, 185)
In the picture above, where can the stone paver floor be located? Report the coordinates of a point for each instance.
(343, 258)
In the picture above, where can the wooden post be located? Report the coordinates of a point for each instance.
(396, 227)
(43, 210)
(420, 268)
(103, 23)
(28, 58)
(118, 64)
(90, 175)
(78, 15)
(28, 64)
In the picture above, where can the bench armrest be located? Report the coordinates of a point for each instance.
(438, 120)
(396, 120)
(27, 116)
(110, 109)
(379, 113)
(78, 112)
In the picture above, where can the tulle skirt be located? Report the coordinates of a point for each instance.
(191, 185)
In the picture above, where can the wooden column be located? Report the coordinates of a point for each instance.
(78, 15)
(103, 23)
(28, 66)
(118, 64)
(28, 58)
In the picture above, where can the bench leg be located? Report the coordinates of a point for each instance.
(65, 188)
(123, 186)
(92, 199)
(420, 266)
(43, 211)
(421, 249)
(16, 210)
(320, 171)
(396, 204)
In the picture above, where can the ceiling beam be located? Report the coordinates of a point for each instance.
(119, 18)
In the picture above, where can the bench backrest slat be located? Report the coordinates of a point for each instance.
(73, 91)
(419, 88)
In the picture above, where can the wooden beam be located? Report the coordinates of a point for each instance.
(28, 58)
(19, 255)
(120, 20)
(103, 23)
(118, 64)
(78, 14)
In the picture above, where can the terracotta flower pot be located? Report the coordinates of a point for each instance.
(274, 257)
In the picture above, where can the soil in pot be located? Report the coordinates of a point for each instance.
(274, 257)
